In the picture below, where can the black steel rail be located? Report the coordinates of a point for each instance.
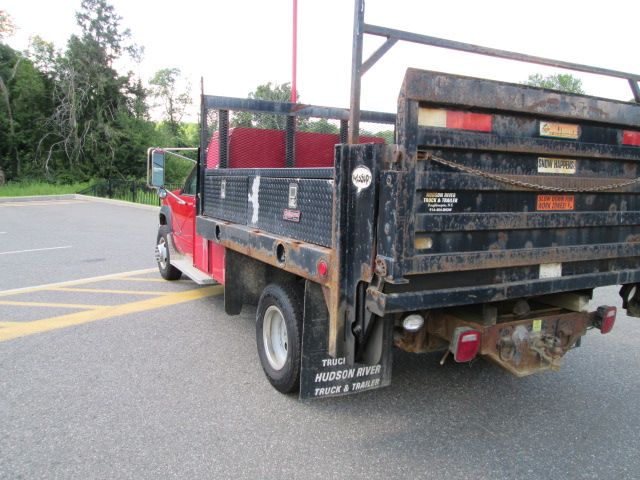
(360, 67)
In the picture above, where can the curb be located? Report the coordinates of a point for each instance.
(38, 198)
(77, 196)
(111, 201)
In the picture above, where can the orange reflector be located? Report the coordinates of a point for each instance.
(438, 117)
(630, 137)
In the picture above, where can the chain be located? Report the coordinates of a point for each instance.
(532, 186)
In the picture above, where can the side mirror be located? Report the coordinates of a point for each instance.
(162, 193)
(155, 162)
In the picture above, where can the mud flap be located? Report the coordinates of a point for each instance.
(324, 376)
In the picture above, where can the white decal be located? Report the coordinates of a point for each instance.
(253, 200)
(556, 165)
(550, 270)
(361, 177)
(440, 201)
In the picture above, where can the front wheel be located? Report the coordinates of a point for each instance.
(279, 335)
(168, 271)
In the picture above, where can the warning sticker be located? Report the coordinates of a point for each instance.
(556, 165)
(555, 202)
(291, 215)
(559, 130)
(440, 201)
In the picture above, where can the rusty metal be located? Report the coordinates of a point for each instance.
(522, 347)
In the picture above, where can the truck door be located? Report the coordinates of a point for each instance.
(183, 215)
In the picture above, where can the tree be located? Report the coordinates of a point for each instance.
(273, 92)
(7, 27)
(165, 88)
(24, 107)
(92, 101)
(563, 81)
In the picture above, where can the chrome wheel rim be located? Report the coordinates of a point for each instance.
(274, 337)
(161, 253)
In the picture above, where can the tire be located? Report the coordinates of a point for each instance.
(280, 306)
(168, 271)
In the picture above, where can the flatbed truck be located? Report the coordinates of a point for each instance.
(481, 230)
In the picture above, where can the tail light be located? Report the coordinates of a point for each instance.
(606, 318)
(438, 117)
(465, 344)
(322, 268)
(630, 137)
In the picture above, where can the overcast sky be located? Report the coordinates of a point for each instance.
(238, 44)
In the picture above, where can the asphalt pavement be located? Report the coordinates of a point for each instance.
(136, 378)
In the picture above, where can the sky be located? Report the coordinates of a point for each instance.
(236, 45)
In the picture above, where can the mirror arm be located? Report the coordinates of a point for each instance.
(179, 200)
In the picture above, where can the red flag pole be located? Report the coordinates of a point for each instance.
(294, 67)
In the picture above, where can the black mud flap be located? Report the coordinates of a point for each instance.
(324, 376)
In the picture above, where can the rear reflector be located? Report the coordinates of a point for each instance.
(465, 344)
(437, 117)
(606, 318)
(630, 137)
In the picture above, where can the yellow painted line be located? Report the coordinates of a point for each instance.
(50, 305)
(70, 283)
(63, 321)
(154, 280)
(104, 290)
(8, 324)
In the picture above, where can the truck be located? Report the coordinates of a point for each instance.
(475, 221)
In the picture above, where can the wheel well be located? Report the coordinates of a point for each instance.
(163, 219)
(246, 278)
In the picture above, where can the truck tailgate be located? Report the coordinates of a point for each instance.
(507, 191)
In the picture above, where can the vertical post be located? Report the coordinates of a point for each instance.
(294, 66)
(344, 131)
(635, 89)
(290, 142)
(223, 138)
(356, 77)
(202, 151)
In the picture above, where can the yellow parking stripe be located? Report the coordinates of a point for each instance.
(22, 329)
(8, 324)
(154, 280)
(104, 290)
(51, 305)
(70, 283)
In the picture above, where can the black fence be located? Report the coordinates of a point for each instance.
(126, 190)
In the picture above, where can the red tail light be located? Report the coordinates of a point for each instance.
(606, 318)
(438, 117)
(465, 344)
(629, 137)
(323, 268)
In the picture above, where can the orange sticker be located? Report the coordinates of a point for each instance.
(555, 202)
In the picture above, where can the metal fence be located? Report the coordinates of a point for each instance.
(126, 190)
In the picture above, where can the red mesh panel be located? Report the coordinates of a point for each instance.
(258, 148)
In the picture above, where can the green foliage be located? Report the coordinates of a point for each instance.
(563, 81)
(273, 92)
(7, 26)
(165, 89)
(24, 106)
(33, 187)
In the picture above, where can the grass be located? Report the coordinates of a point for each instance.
(24, 189)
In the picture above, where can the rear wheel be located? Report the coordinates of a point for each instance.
(168, 271)
(279, 335)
